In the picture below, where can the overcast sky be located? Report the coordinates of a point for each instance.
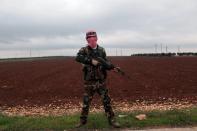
(61, 24)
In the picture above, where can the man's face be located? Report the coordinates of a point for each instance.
(92, 42)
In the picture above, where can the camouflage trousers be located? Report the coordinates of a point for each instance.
(90, 88)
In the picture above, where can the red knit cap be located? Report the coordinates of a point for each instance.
(91, 33)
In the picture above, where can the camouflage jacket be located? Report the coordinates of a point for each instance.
(91, 72)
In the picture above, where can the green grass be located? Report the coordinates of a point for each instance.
(173, 118)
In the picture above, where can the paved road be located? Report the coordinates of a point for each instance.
(168, 129)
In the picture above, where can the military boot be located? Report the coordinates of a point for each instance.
(81, 123)
(113, 123)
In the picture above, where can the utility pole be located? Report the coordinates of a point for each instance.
(178, 48)
(161, 48)
(30, 52)
(166, 49)
(155, 48)
(131, 51)
(116, 52)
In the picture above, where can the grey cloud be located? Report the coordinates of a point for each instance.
(144, 23)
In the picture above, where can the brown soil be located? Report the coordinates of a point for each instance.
(59, 80)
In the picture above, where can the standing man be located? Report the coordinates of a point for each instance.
(95, 75)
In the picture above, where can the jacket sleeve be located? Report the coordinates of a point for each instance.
(110, 65)
(82, 57)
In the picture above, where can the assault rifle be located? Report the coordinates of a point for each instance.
(107, 65)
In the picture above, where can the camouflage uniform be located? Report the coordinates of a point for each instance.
(94, 80)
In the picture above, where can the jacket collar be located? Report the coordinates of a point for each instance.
(95, 48)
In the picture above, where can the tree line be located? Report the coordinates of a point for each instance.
(167, 54)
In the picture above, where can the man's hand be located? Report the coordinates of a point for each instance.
(95, 62)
